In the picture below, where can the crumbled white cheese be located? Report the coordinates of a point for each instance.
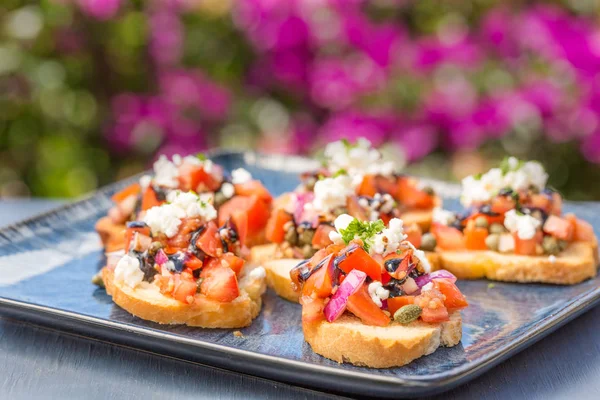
(388, 241)
(420, 254)
(145, 181)
(506, 243)
(240, 175)
(519, 176)
(167, 217)
(207, 198)
(331, 193)
(192, 205)
(357, 159)
(340, 223)
(524, 225)
(258, 273)
(128, 271)
(552, 258)
(378, 293)
(228, 190)
(443, 217)
(165, 173)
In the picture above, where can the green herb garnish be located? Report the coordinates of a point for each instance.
(201, 156)
(506, 168)
(346, 143)
(339, 172)
(362, 230)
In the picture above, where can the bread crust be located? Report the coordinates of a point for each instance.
(278, 269)
(112, 235)
(146, 302)
(578, 262)
(349, 340)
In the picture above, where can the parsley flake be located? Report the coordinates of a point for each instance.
(362, 230)
(201, 156)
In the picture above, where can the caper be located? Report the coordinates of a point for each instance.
(407, 314)
(534, 189)
(155, 247)
(291, 236)
(492, 241)
(219, 199)
(481, 222)
(497, 228)
(428, 242)
(306, 236)
(562, 244)
(429, 190)
(97, 279)
(550, 245)
(308, 251)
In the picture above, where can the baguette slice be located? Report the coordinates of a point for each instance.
(349, 340)
(146, 302)
(578, 262)
(112, 235)
(278, 270)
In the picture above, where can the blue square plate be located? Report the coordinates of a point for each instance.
(46, 264)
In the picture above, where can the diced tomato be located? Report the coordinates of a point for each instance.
(184, 290)
(182, 238)
(361, 305)
(209, 242)
(415, 234)
(253, 188)
(219, 283)
(257, 213)
(502, 204)
(541, 201)
(129, 232)
(411, 196)
(150, 199)
(396, 303)
(492, 219)
(404, 264)
(386, 185)
(355, 209)
(439, 314)
(195, 177)
(447, 237)
(130, 190)
(312, 309)
(275, 231)
(193, 262)
(454, 299)
(475, 237)
(557, 202)
(525, 247)
(583, 231)
(559, 227)
(320, 283)
(357, 258)
(234, 262)
(432, 304)
(321, 237)
(367, 187)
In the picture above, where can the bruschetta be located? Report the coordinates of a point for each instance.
(180, 267)
(370, 299)
(235, 196)
(513, 230)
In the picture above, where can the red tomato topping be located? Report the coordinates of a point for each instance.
(453, 298)
(275, 231)
(184, 290)
(193, 262)
(131, 190)
(355, 209)
(253, 188)
(357, 258)
(582, 230)
(502, 204)
(321, 237)
(525, 247)
(411, 196)
(475, 237)
(447, 237)
(432, 304)
(194, 177)
(150, 199)
(396, 303)
(209, 242)
(361, 305)
(559, 227)
(312, 309)
(414, 233)
(130, 232)
(219, 283)
(250, 215)
(234, 262)
(367, 187)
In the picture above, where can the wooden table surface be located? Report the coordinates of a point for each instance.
(38, 362)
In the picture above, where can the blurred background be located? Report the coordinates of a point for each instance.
(92, 90)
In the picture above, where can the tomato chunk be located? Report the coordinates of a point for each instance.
(195, 177)
(234, 262)
(355, 209)
(253, 188)
(357, 258)
(361, 305)
(321, 237)
(454, 299)
(525, 247)
(131, 231)
(209, 241)
(582, 230)
(502, 204)
(367, 187)
(312, 309)
(411, 196)
(432, 304)
(219, 283)
(184, 290)
(559, 227)
(275, 231)
(448, 238)
(320, 282)
(150, 199)
(475, 237)
(396, 303)
(130, 190)
(414, 234)
(250, 214)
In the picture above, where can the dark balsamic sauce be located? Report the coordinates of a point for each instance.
(136, 224)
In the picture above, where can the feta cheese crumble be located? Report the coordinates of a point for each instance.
(378, 293)
(166, 173)
(258, 273)
(340, 223)
(128, 271)
(552, 258)
(167, 217)
(331, 193)
(525, 226)
(228, 190)
(514, 175)
(443, 217)
(240, 175)
(388, 241)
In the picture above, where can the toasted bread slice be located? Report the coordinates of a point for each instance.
(111, 234)
(423, 218)
(349, 340)
(578, 262)
(278, 270)
(146, 302)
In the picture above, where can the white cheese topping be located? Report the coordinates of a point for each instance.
(331, 193)
(516, 176)
(165, 173)
(388, 241)
(240, 175)
(378, 293)
(420, 254)
(167, 217)
(357, 159)
(145, 181)
(552, 258)
(258, 273)
(442, 216)
(506, 244)
(128, 271)
(228, 190)
(525, 226)
(341, 222)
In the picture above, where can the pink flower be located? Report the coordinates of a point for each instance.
(100, 9)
